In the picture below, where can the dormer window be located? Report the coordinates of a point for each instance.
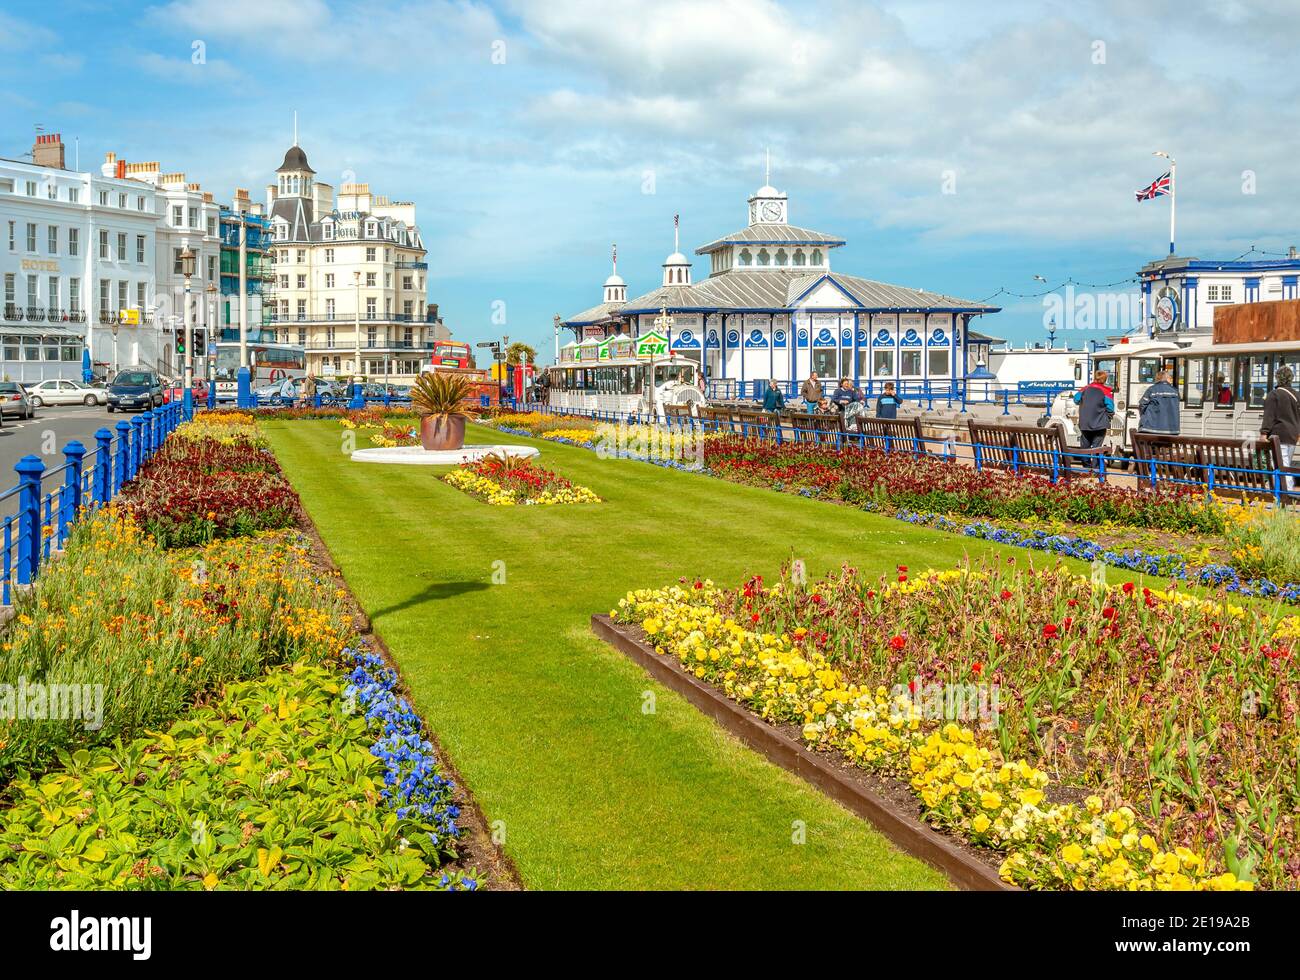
(372, 229)
(746, 257)
(781, 257)
(799, 258)
(817, 257)
(764, 257)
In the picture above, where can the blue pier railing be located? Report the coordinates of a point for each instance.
(47, 501)
(948, 393)
(1055, 465)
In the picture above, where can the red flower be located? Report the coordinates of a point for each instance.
(902, 578)
(902, 568)
(1128, 588)
(1067, 622)
(754, 618)
(1072, 603)
(699, 584)
(897, 642)
(1108, 612)
(976, 667)
(1050, 630)
(1006, 594)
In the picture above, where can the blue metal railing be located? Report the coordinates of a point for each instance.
(1054, 464)
(47, 502)
(957, 391)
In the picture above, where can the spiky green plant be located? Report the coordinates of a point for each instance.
(440, 394)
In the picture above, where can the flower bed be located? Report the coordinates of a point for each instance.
(153, 630)
(213, 479)
(1097, 737)
(927, 484)
(315, 775)
(511, 480)
(279, 784)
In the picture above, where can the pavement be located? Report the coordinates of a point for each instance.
(45, 436)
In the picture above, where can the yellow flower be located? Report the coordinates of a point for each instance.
(981, 823)
(990, 800)
(1072, 854)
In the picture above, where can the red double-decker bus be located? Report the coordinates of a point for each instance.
(450, 354)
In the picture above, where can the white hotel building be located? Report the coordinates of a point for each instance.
(350, 274)
(772, 307)
(92, 262)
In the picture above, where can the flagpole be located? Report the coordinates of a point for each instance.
(1173, 201)
(1173, 194)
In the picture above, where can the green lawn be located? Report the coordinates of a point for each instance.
(544, 721)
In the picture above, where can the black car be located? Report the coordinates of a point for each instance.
(135, 389)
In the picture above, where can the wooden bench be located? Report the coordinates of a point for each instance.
(1039, 449)
(678, 416)
(1228, 464)
(816, 427)
(756, 424)
(888, 435)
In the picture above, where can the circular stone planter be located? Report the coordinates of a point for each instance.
(418, 456)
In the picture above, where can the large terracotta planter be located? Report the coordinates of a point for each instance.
(442, 431)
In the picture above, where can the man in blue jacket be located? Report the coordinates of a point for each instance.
(1096, 408)
(1158, 409)
(887, 404)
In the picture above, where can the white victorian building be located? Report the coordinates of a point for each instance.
(772, 307)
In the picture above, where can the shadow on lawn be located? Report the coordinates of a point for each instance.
(431, 593)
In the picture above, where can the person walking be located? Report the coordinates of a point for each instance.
(309, 391)
(1096, 408)
(888, 402)
(1282, 417)
(1158, 409)
(811, 392)
(773, 400)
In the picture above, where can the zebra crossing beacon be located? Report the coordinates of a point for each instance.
(772, 307)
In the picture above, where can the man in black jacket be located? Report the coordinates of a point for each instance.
(1282, 417)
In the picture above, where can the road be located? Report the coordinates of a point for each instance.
(45, 436)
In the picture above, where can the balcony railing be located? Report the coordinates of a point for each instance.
(347, 318)
(343, 346)
(35, 314)
(401, 264)
(13, 313)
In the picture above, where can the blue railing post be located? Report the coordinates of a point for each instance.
(1101, 467)
(123, 455)
(74, 453)
(147, 445)
(137, 444)
(8, 557)
(103, 466)
(29, 470)
(1006, 402)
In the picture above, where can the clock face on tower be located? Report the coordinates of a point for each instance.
(771, 211)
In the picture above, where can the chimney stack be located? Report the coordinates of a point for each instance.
(47, 151)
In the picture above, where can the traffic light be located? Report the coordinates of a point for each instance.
(180, 343)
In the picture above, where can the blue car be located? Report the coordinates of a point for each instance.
(135, 390)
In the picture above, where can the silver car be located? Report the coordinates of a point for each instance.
(13, 401)
(62, 392)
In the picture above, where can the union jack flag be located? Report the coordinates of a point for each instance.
(1161, 185)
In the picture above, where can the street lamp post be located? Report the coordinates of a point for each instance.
(116, 368)
(358, 399)
(244, 378)
(211, 373)
(187, 393)
(664, 323)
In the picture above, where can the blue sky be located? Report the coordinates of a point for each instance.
(528, 133)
